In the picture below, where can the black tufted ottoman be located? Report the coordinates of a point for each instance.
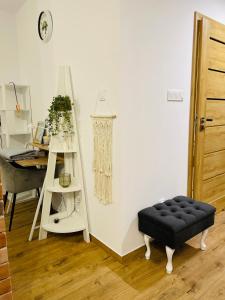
(175, 221)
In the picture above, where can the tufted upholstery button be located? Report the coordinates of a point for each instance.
(177, 200)
(168, 204)
(183, 206)
(188, 212)
(191, 202)
(197, 207)
(179, 217)
(163, 214)
(158, 208)
(173, 210)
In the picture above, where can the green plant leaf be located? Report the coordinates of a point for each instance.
(59, 118)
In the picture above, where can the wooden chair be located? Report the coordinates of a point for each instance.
(18, 180)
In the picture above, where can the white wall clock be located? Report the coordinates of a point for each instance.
(45, 25)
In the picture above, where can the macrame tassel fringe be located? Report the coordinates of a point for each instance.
(102, 164)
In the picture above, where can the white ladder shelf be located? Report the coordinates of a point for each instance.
(73, 217)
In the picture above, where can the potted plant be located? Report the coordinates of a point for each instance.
(59, 118)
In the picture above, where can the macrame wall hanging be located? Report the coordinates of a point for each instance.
(102, 162)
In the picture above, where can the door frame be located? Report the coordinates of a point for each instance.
(193, 125)
(193, 102)
(193, 118)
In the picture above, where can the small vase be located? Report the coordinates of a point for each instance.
(65, 180)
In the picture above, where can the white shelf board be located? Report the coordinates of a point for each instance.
(63, 144)
(73, 223)
(15, 133)
(54, 150)
(20, 86)
(19, 133)
(57, 188)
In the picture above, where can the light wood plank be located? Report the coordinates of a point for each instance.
(41, 161)
(214, 188)
(217, 290)
(65, 267)
(214, 139)
(215, 85)
(213, 164)
(215, 109)
(217, 30)
(216, 55)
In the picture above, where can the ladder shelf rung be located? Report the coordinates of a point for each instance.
(57, 188)
(72, 214)
(73, 223)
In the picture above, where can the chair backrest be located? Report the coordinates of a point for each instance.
(18, 180)
(7, 175)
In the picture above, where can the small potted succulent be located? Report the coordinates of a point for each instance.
(60, 116)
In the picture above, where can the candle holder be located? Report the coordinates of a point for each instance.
(65, 179)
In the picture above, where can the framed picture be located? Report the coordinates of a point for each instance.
(39, 132)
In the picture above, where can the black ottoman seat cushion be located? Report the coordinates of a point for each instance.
(176, 220)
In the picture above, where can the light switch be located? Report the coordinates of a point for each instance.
(175, 95)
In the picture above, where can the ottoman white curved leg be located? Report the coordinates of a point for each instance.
(203, 238)
(147, 240)
(169, 253)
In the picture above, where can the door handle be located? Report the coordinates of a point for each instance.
(202, 123)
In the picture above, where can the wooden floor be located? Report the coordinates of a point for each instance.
(65, 267)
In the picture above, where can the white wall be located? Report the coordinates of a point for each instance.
(136, 49)
(156, 55)
(86, 37)
(8, 48)
(35, 58)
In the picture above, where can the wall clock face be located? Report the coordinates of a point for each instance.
(45, 25)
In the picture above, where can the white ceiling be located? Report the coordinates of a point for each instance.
(11, 6)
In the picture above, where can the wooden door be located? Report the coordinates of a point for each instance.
(208, 119)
